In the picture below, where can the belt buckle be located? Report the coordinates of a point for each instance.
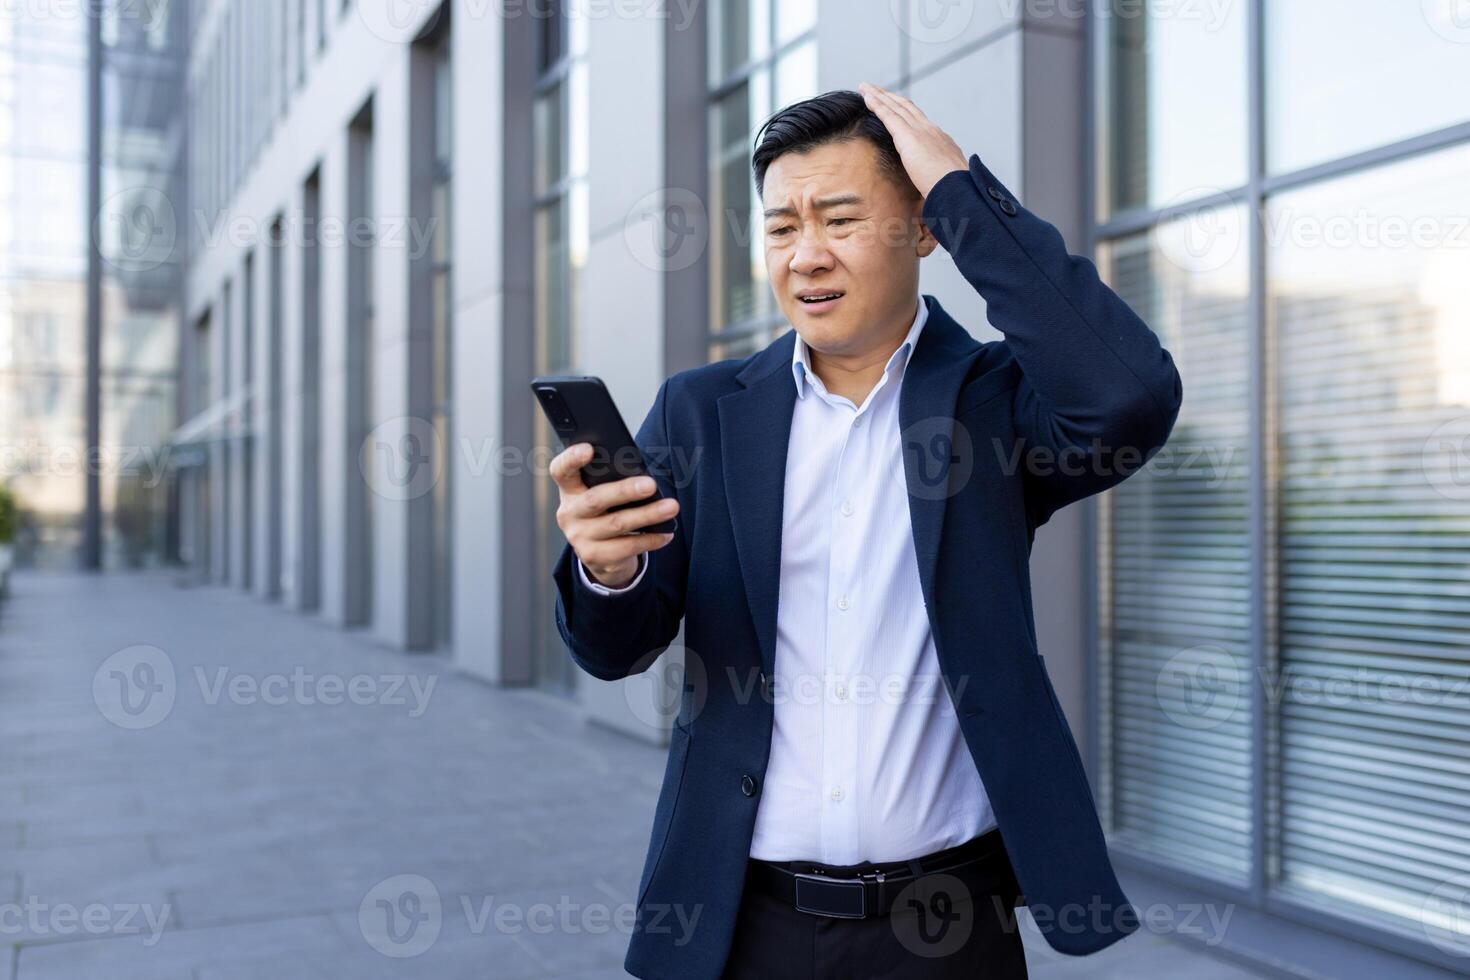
(846, 897)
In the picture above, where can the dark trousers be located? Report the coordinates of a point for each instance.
(931, 936)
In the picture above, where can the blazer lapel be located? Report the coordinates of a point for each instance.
(934, 459)
(755, 432)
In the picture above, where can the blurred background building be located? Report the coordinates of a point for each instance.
(291, 264)
(91, 141)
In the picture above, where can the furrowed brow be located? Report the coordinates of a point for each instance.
(821, 204)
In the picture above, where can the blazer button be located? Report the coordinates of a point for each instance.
(995, 193)
(1008, 207)
(747, 784)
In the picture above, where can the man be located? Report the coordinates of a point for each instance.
(859, 518)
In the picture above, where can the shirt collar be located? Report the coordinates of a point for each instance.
(801, 363)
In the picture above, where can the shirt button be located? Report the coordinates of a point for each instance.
(858, 421)
(847, 508)
(843, 603)
(747, 784)
(837, 793)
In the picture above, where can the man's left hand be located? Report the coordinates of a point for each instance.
(928, 152)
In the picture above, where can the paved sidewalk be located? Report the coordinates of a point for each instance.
(198, 785)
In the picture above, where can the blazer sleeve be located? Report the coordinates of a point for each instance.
(621, 633)
(1098, 394)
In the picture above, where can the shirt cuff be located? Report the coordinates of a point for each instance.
(601, 589)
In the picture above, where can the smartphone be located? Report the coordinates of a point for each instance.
(580, 409)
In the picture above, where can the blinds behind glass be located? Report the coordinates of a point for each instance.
(1176, 566)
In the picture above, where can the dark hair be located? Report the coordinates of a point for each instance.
(832, 117)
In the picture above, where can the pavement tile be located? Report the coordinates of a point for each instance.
(182, 954)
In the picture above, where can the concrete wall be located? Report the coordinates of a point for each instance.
(480, 339)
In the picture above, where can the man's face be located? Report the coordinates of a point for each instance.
(835, 224)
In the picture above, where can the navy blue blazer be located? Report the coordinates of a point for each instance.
(997, 436)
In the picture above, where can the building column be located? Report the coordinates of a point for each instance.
(1054, 176)
(483, 362)
(336, 468)
(401, 444)
(361, 259)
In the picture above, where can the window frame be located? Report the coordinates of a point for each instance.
(568, 189)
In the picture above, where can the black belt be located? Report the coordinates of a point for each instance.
(865, 890)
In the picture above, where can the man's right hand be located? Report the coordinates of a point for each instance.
(601, 540)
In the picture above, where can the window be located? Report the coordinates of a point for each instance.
(203, 374)
(306, 572)
(283, 15)
(1284, 604)
(762, 56)
(1371, 337)
(274, 571)
(361, 337)
(226, 516)
(1375, 73)
(441, 321)
(202, 490)
(560, 130)
(226, 339)
(300, 41)
(1165, 137)
(247, 434)
(219, 131)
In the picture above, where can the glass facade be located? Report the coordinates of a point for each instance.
(560, 127)
(43, 274)
(45, 257)
(762, 56)
(1284, 593)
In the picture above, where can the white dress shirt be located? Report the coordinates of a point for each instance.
(867, 760)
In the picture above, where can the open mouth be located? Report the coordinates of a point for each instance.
(817, 302)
